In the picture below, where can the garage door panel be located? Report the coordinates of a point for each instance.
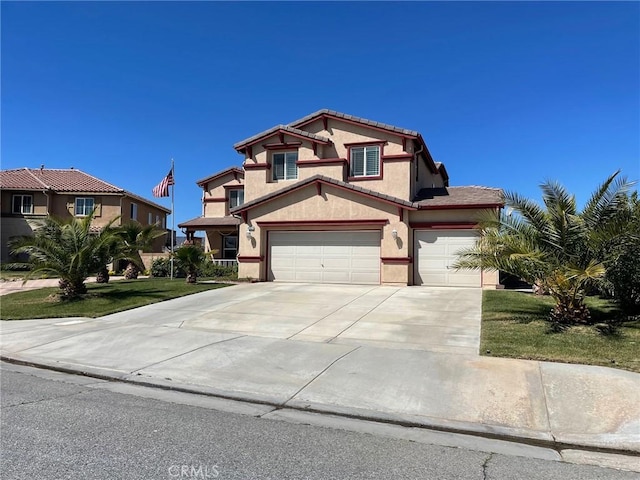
(325, 257)
(436, 251)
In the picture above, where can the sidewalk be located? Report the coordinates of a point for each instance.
(553, 405)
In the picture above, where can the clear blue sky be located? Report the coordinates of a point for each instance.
(505, 94)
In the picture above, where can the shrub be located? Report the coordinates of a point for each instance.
(212, 270)
(160, 267)
(623, 279)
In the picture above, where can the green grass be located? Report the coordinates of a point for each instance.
(101, 299)
(513, 325)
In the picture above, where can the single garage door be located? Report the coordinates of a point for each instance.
(325, 257)
(436, 250)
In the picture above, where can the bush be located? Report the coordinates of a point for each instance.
(623, 279)
(212, 270)
(161, 267)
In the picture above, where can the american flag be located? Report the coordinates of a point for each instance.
(162, 189)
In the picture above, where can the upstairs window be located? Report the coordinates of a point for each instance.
(365, 161)
(22, 204)
(134, 211)
(284, 166)
(236, 198)
(84, 206)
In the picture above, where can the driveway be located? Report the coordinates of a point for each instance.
(423, 318)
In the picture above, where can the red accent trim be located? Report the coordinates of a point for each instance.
(319, 188)
(250, 259)
(353, 122)
(365, 178)
(282, 146)
(235, 175)
(214, 199)
(444, 225)
(257, 166)
(315, 149)
(321, 161)
(323, 223)
(244, 216)
(339, 187)
(203, 183)
(250, 151)
(401, 213)
(397, 260)
(325, 122)
(460, 207)
(404, 144)
(403, 157)
(233, 187)
(364, 144)
(281, 136)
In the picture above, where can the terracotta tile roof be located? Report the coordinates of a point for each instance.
(59, 180)
(353, 118)
(210, 222)
(277, 128)
(328, 181)
(69, 180)
(454, 196)
(210, 178)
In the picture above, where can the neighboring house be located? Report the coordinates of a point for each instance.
(333, 198)
(30, 194)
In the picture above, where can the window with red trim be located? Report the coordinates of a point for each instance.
(365, 161)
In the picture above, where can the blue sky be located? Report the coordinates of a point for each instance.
(505, 94)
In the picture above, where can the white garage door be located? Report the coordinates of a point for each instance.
(325, 257)
(436, 251)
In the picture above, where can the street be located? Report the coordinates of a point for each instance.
(57, 426)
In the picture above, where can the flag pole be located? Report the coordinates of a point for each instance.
(173, 216)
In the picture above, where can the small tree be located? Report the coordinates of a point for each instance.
(558, 247)
(189, 258)
(134, 238)
(69, 249)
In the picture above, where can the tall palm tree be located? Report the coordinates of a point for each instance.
(69, 249)
(190, 257)
(135, 238)
(559, 247)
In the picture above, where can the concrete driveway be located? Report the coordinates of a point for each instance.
(435, 319)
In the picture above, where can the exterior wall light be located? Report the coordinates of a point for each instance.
(394, 233)
(250, 230)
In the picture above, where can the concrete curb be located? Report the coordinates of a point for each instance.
(535, 439)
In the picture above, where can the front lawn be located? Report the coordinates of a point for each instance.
(101, 299)
(513, 325)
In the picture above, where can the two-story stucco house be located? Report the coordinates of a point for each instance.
(334, 198)
(30, 194)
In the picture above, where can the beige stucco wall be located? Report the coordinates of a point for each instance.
(11, 227)
(332, 204)
(395, 180)
(216, 190)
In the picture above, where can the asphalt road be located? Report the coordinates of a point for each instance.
(57, 426)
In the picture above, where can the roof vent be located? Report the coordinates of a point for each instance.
(41, 167)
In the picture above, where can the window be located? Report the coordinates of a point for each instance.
(229, 246)
(134, 211)
(150, 218)
(22, 204)
(84, 206)
(236, 198)
(365, 161)
(284, 166)
(158, 220)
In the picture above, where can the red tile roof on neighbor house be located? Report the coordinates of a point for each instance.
(69, 180)
(472, 196)
(203, 222)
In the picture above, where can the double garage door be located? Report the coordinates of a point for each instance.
(354, 257)
(435, 252)
(325, 257)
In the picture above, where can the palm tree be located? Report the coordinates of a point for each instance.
(135, 238)
(190, 257)
(558, 247)
(69, 249)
